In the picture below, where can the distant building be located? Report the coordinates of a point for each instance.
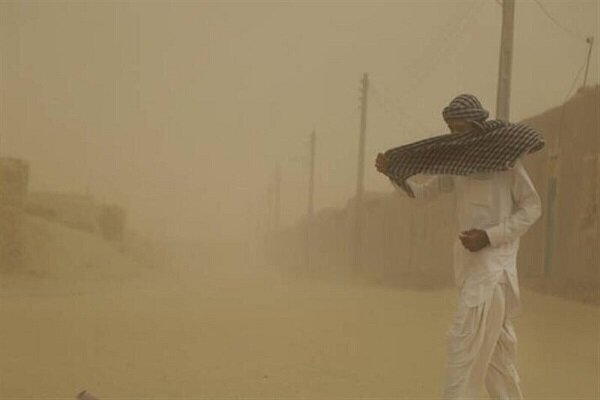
(14, 178)
(74, 210)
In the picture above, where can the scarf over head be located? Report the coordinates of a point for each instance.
(465, 106)
(492, 146)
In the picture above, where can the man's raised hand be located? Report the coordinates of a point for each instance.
(382, 163)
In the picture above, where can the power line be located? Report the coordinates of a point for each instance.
(438, 50)
(561, 26)
(382, 101)
(574, 82)
(432, 59)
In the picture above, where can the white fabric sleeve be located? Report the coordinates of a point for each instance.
(527, 206)
(429, 189)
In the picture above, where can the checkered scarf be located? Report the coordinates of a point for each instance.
(491, 147)
(465, 106)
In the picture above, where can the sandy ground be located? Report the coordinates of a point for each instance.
(206, 331)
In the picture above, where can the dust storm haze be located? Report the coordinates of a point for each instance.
(182, 115)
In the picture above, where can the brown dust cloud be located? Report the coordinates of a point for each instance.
(159, 238)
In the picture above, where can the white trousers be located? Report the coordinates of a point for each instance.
(482, 351)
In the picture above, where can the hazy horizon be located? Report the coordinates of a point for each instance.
(181, 111)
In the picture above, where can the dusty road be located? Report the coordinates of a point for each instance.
(209, 332)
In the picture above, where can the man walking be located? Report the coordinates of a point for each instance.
(496, 204)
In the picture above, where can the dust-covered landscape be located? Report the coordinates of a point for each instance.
(191, 206)
(217, 325)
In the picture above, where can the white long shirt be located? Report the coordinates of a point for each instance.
(504, 204)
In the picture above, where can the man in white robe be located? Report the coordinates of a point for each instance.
(493, 211)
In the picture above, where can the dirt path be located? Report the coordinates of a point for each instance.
(232, 333)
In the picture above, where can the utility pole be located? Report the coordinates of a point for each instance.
(311, 196)
(505, 67)
(590, 41)
(361, 173)
(311, 175)
(269, 210)
(269, 230)
(277, 198)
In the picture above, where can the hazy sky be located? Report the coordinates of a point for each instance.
(181, 110)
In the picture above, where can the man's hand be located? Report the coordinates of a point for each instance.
(382, 163)
(474, 239)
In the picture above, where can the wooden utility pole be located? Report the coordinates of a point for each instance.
(357, 245)
(277, 198)
(590, 41)
(272, 212)
(505, 66)
(311, 176)
(269, 212)
(311, 194)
